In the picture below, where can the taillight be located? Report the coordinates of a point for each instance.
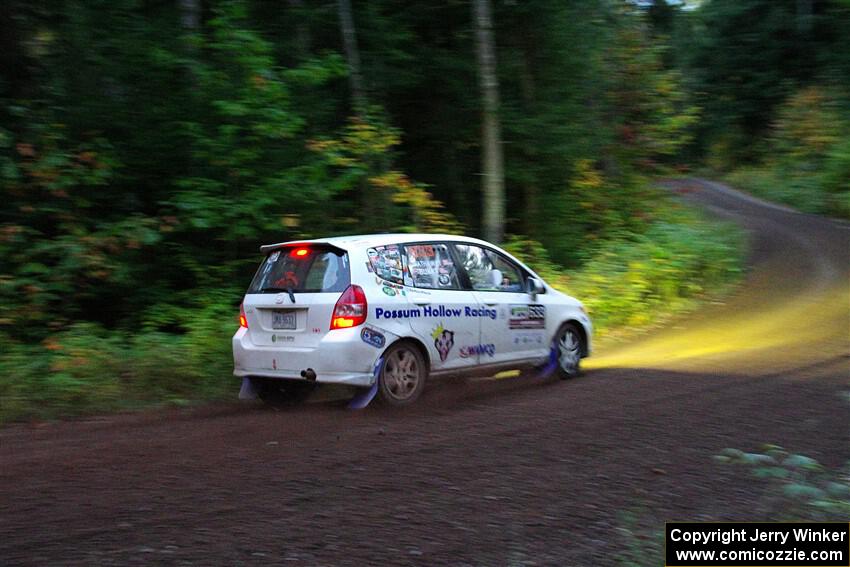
(243, 321)
(350, 309)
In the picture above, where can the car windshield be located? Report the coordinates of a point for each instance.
(306, 270)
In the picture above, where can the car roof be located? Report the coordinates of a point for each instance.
(370, 240)
(361, 241)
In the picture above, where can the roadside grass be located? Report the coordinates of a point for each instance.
(805, 161)
(796, 488)
(799, 487)
(87, 369)
(642, 545)
(805, 192)
(631, 283)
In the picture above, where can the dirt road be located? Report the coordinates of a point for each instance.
(508, 472)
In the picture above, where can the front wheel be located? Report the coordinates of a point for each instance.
(402, 375)
(569, 345)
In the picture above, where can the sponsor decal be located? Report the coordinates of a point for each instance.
(527, 317)
(444, 340)
(473, 350)
(372, 337)
(369, 267)
(436, 311)
(386, 262)
(282, 338)
(421, 251)
(381, 313)
(479, 312)
(390, 288)
(533, 338)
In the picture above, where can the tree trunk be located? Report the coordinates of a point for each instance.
(493, 185)
(804, 16)
(352, 54)
(190, 15)
(302, 34)
(531, 214)
(373, 199)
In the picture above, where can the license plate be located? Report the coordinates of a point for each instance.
(284, 320)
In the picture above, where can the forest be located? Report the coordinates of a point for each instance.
(149, 147)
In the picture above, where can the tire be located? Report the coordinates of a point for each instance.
(283, 393)
(569, 345)
(403, 375)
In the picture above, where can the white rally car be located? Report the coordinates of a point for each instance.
(384, 312)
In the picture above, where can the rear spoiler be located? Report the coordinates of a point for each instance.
(268, 248)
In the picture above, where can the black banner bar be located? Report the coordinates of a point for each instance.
(757, 544)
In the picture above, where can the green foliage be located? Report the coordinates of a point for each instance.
(54, 241)
(633, 282)
(809, 156)
(835, 180)
(742, 59)
(800, 486)
(802, 193)
(359, 160)
(643, 545)
(86, 368)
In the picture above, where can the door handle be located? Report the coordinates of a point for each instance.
(491, 304)
(422, 303)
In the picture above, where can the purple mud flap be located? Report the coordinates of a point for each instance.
(550, 367)
(248, 392)
(362, 399)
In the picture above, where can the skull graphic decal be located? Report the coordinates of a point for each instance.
(444, 341)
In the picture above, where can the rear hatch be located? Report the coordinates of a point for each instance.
(292, 297)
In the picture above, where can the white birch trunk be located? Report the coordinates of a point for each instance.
(493, 184)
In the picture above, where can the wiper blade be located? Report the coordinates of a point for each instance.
(273, 289)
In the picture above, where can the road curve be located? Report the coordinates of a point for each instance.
(794, 308)
(508, 472)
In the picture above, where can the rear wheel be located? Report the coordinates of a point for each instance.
(281, 393)
(569, 346)
(403, 375)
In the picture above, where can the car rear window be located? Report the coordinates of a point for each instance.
(305, 270)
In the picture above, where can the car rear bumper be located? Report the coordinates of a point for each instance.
(349, 379)
(342, 357)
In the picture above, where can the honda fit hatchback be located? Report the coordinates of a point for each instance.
(385, 312)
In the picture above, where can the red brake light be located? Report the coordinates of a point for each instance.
(350, 309)
(243, 321)
(300, 252)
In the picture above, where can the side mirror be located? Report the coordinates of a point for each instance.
(534, 286)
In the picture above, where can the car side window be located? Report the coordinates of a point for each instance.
(487, 270)
(386, 262)
(478, 267)
(512, 279)
(429, 266)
